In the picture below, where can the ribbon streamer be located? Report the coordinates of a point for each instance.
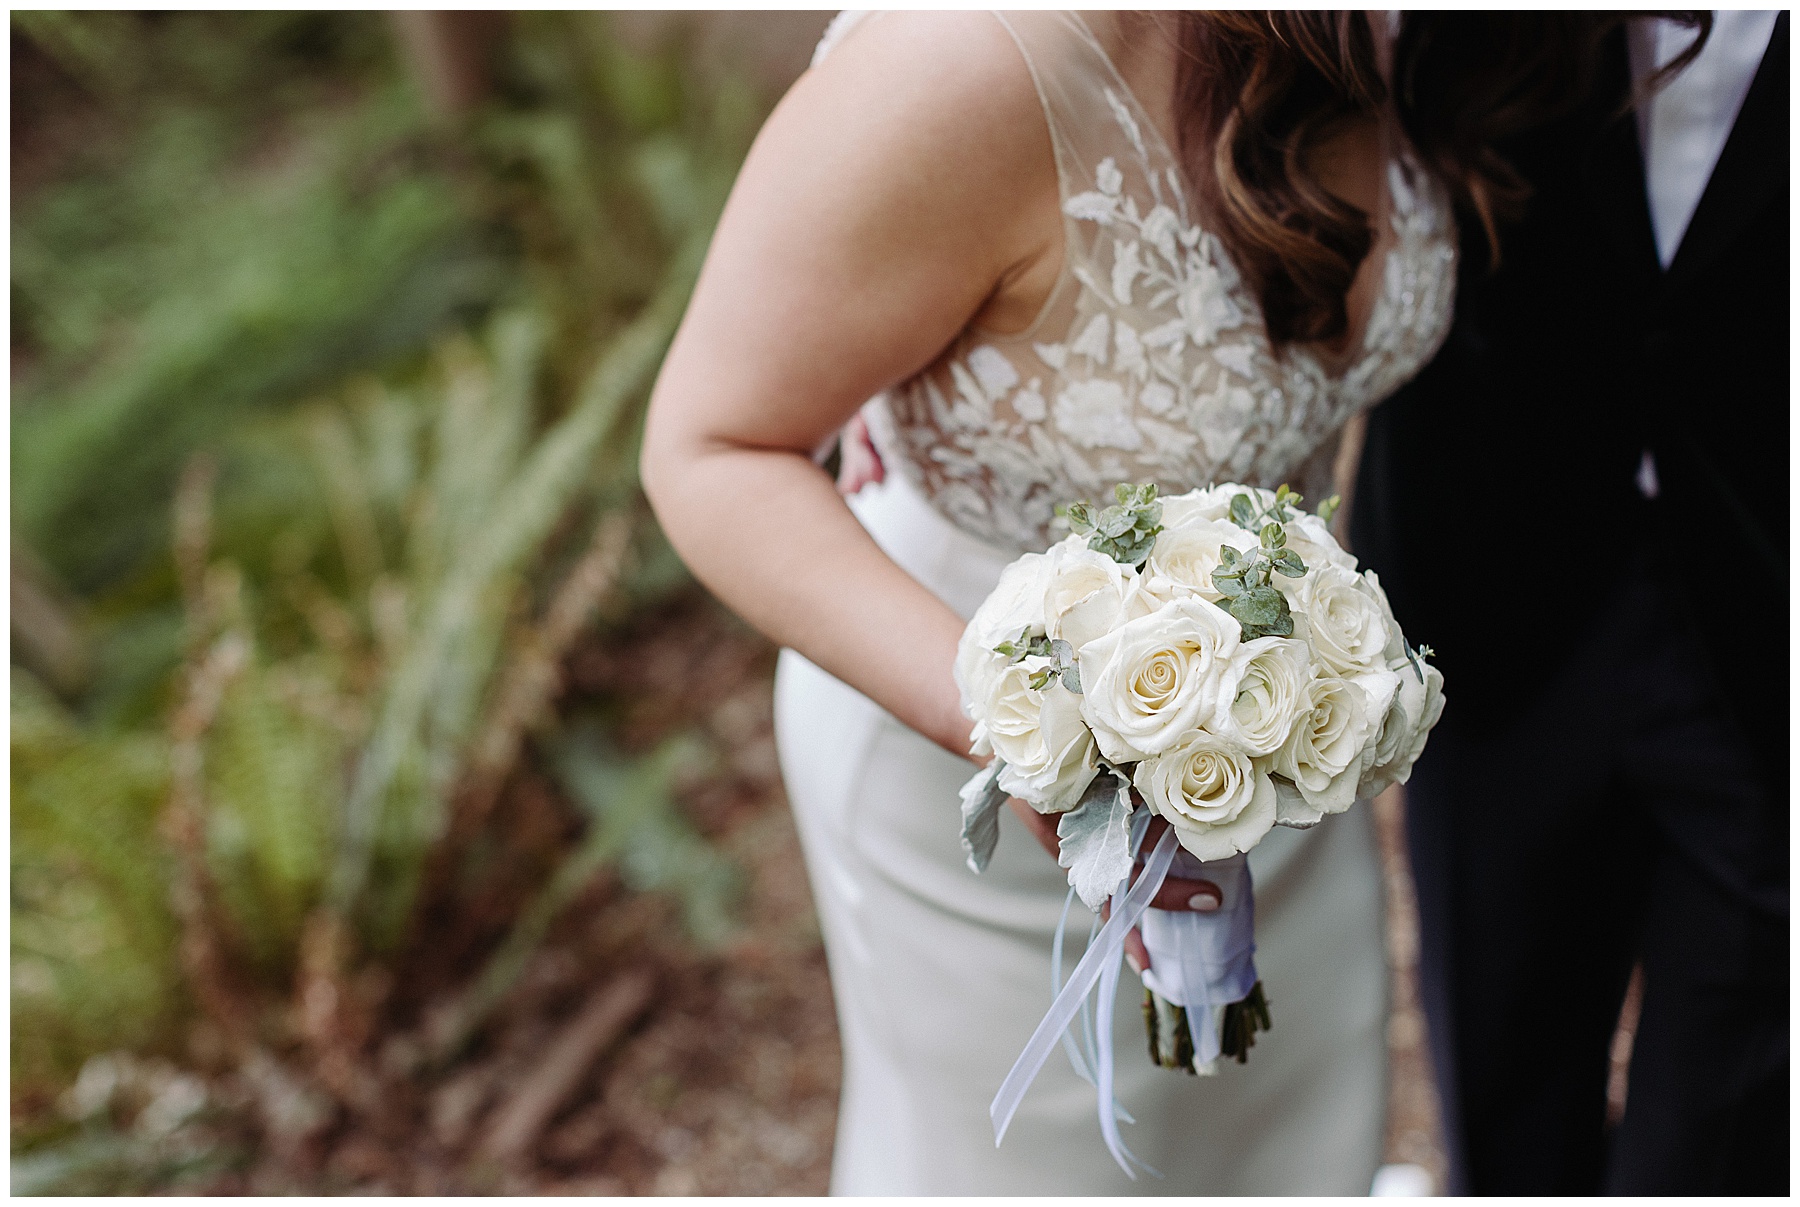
(1101, 957)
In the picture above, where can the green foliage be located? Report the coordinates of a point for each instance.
(418, 358)
(1244, 579)
(633, 822)
(92, 938)
(1061, 657)
(1125, 531)
(102, 1160)
(1246, 514)
(488, 514)
(633, 819)
(162, 295)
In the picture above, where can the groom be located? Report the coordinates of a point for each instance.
(1582, 503)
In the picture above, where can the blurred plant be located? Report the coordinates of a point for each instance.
(92, 938)
(163, 284)
(631, 821)
(141, 1125)
(258, 740)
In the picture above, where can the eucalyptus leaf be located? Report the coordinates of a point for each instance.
(1228, 585)
(1096, 839)
(1242, 513)
(982, 797)
(1071, 679)
(1134, 552)
(1259, 606)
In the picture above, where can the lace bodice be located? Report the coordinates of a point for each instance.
(1150, 360)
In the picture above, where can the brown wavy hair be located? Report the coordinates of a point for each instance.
(1257, 93)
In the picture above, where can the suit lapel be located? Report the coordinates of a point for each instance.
(1612, 167)
(1753, 165)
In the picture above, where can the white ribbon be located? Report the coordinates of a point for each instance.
(1204, 961)
(1099, 966)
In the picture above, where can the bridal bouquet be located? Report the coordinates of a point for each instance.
(1214, 659)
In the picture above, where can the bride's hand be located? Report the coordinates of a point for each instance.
(859, 463)
(1201, 896)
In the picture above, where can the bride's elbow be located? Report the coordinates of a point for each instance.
(666, 461)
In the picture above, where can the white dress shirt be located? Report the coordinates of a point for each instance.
(1684, 126)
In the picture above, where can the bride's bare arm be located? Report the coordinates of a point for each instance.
(901, 189)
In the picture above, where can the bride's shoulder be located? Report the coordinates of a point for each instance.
(961, 69)
(917, 114)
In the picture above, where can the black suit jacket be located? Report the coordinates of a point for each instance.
(1498, 497)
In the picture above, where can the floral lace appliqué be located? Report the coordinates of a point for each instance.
(1163, 370)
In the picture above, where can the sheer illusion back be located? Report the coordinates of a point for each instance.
(1150, 360)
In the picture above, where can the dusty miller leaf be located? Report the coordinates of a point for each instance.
(982, 797)
(1096, 839)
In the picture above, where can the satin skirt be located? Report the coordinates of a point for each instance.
(940, 975)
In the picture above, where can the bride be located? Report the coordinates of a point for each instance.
(1059, 252)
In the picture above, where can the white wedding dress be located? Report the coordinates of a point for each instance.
(1149, 362)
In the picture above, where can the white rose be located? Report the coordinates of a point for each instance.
(1396, 642)
(1210, 503)
(1339, 618)
(1415, 708)
(1150, 681)
(1048, 751)
(1266, 688)
(1182, 560)
(1323, 755)
(1308, 536)
(1217, 800)
(1292, 809)
(1015, 604)
(1087, 594)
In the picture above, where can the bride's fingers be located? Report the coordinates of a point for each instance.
(1136, 954)
(859, 463)
(1201, 896)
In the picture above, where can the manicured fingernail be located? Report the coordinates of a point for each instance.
(1133, 961)
(1204, 903)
